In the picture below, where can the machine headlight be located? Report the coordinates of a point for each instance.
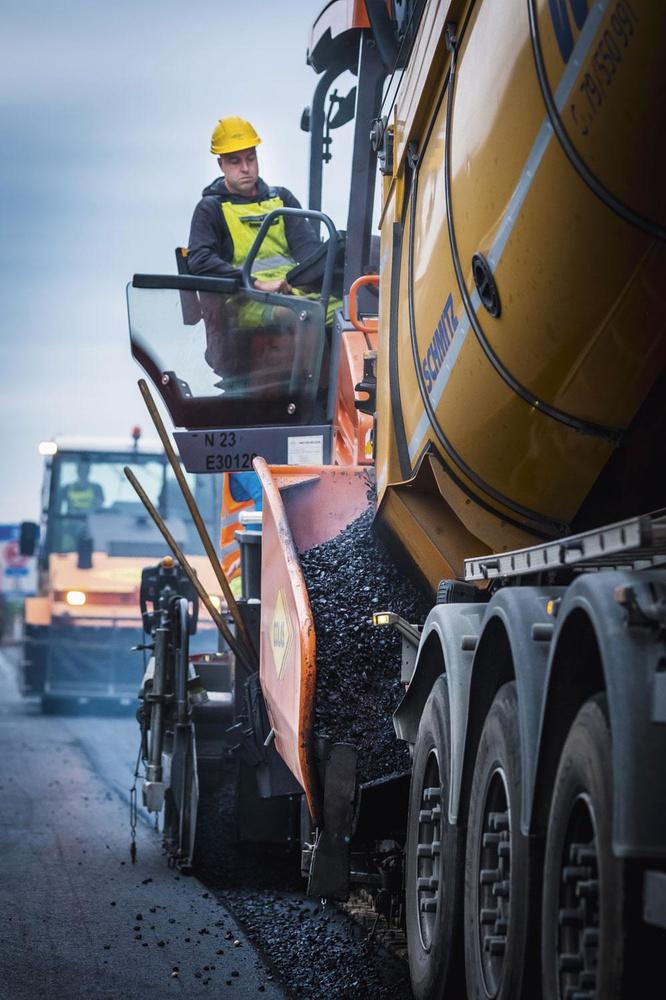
(383, 618)
(75, 598)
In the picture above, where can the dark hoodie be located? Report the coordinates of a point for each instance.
(210, 247)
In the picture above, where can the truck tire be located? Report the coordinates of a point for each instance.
(433, 887)
(584, 884)
(499, 893)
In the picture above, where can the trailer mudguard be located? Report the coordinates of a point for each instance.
(516, 365)
(631, 658)
(521, 611)
(467, 637)
(447, 646)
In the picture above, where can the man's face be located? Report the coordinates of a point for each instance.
(240, 171)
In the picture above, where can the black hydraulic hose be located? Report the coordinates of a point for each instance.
(405, 50)
(382, 32)
(576, 423)
(595, 185)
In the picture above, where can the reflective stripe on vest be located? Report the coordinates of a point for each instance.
(80, 499)
(243, 221)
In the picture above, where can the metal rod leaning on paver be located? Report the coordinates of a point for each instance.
(240, 651)
(243, 633)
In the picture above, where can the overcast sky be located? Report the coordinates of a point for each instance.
(106, 111)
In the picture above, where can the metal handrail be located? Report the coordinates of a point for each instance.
(186, 282)
(304, 213)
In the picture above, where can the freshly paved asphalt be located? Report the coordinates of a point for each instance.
(78, 919)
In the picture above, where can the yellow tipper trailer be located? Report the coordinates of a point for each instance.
(522, 280)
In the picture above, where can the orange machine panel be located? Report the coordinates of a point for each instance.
(302, 507)
(353, 429)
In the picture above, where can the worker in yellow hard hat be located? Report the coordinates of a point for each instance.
(226, 220)
(224, 226)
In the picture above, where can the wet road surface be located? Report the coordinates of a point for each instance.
(79, 920)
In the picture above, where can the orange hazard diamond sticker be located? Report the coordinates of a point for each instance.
(280, 633)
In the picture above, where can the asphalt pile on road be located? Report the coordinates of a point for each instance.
(313, 950)
(319, 952)
(358, 664)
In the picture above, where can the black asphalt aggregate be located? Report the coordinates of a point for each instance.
(358, 664)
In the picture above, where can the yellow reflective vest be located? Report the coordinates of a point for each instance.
(81, 499)
(274, 259)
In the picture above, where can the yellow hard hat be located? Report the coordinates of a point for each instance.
(232, 134)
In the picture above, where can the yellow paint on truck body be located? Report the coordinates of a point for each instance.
(582, 291)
